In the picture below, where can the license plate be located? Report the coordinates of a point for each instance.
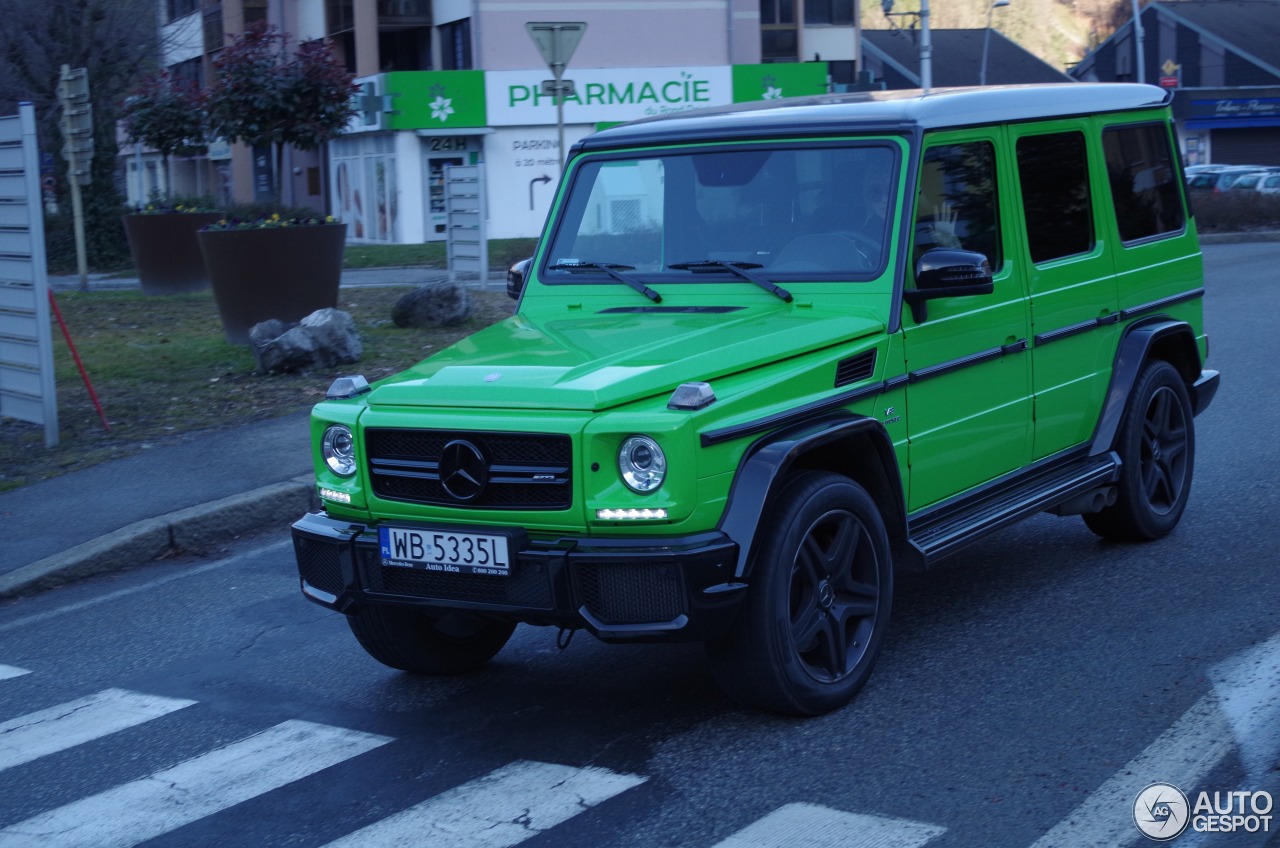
(445, 551)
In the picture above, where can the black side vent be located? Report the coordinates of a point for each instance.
(855, 368)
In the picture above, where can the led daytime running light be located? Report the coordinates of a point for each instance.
(631, 514)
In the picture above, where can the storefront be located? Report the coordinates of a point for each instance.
(387, 172)
(1233, 126)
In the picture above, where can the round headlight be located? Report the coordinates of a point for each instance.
(339, 450)
(642, 464)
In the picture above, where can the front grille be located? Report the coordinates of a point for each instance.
(520, 470)
(527, 586)
(319, 563)
(630, 593)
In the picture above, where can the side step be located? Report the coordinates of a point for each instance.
(944, 531)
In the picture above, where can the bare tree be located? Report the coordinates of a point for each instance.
(116, 41)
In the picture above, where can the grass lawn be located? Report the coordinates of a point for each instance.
(162, 369)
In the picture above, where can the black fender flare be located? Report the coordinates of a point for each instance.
(767, 462)
(1176, 343)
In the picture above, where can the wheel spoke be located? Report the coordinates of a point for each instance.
(857, 600)
(836, 645)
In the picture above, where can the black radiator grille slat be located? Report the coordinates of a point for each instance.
(524, 470)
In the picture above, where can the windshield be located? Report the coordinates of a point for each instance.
(794, 213)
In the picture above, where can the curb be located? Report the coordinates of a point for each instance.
(187, 529)
(1239, 238)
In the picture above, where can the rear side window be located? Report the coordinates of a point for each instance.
(1144, 188)
(1054, 173)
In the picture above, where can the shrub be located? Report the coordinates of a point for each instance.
(1233, 211)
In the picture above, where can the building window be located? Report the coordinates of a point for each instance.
(455, 46)
(828, 12)
(779, 40)
(181, 8)
(1144, 181)
(214, 35)
(777, 12)
(340, 17)
(1053, 171)
(190, 72)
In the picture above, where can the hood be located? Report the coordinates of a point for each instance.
(594, 361)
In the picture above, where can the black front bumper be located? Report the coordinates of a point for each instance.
(637, 589)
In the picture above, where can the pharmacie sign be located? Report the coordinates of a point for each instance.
(515, 98)
(453, 100)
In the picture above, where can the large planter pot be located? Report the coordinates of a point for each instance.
(275, 272)
(165, 251)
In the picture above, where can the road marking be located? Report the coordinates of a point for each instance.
(814, 826)
(10, 671)
(182, 574)
(501, 809)
(34, 735)
(143, 809)
(1183, 755)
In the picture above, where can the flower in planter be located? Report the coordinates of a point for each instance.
(275, 220)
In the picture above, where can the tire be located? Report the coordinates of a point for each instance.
(821, 589)
(411, 640)
(1157, 446)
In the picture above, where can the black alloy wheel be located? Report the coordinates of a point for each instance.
(819, 601)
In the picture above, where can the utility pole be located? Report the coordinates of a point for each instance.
(77, 150)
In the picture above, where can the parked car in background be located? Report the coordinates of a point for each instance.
(1270, 183)
(1245, 182)
(1221, 180)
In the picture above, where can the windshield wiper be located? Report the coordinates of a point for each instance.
(613, 269)
(739, 268)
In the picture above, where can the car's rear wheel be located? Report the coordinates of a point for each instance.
(818, 605)
(1157, 446)
(411, 640)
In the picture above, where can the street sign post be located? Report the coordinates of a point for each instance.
(77, 150)
(556, 41)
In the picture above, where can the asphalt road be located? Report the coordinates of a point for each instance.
(1030, 687)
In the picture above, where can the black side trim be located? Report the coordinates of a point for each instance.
(966, 361)
(1114, 317)
(712, 310)
(1156, 305)
(1077, 329)
(795, 416)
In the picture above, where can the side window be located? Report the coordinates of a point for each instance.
(957, 203)
(1144, 188)
(1053, 171)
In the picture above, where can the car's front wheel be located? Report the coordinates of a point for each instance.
(411, 640)
(818, 605)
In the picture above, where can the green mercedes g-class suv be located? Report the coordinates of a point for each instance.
(762, 355)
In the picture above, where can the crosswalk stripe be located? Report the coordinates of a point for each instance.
(814, 826)
(501, 809)
(1183, 755)
(7, 671)
(47, 731)
(143, 809)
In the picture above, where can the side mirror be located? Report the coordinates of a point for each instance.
(516, 276)
(945, 272)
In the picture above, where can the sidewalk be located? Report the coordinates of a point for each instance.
(187, 493)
